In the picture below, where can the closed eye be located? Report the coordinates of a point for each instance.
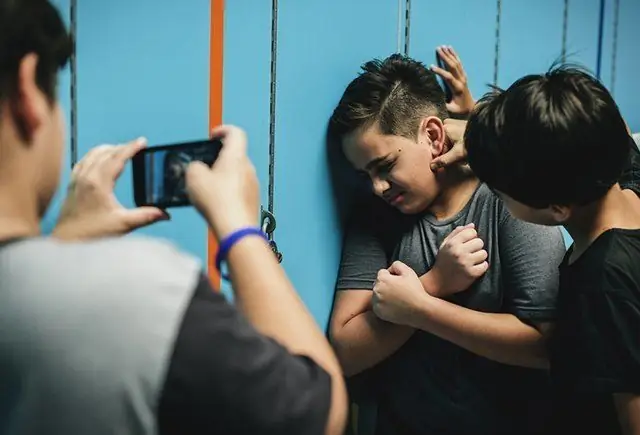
(385, 167)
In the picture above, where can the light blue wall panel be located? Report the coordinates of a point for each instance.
(472, 37)
(143, 70)
(247, 49)
(247, 57)
(322, 44)
(582, 33)
(64, 95)
(624, 81)
(530, 38)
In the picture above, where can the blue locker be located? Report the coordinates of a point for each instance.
(64, 95)
(143, 70)
(470, 27)
(321, 47)
(621, 58)
(247, 64)
(582, 33)
(530, 38)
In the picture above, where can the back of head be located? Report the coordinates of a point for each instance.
(551, 139)
(395, 93)
(31, 26)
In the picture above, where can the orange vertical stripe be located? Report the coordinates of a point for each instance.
(215, 107)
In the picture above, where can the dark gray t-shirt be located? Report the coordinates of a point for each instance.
(431, 385)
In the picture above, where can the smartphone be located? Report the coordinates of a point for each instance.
(443, 84)
(159, 171)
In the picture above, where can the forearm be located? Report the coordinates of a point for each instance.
(628, 407)
(268, 300)
(499, 337)
(365, 340)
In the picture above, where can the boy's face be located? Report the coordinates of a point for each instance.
(397, 166)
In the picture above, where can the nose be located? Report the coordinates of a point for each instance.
(380, 186)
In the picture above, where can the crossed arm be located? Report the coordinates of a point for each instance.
(529, 267)
(362, 340)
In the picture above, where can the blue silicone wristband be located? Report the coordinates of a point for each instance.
(227, 243)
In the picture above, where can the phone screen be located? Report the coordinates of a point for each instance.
(159, 171)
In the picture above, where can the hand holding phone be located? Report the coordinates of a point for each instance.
(226, 194)
(453, 78)
(159, 172)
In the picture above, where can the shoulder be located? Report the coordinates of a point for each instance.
(117, 261)
(616, 256)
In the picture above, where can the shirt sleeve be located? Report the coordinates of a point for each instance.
(613, 363)
(630, 178)
(530, 256)
(363, 252)
(224, 377)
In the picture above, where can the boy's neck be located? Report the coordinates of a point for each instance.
(617, 209)
(18, 215)
(457, 186)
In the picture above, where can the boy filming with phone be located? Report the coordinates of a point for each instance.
(102, 334)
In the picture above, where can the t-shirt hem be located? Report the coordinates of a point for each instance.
(536, 314)
(355, 284)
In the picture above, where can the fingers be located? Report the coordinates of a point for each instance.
(480, 269)
(450, 122)
(195, 170)
(455, 232)
(106, 162)
(478, 257)
(449, 57)
(464, 236)
(233, 138)
(383, 273)
(473, 245)
(446, 75)
(399, 268)
(455, 155)
(127, 151)
(142, 216)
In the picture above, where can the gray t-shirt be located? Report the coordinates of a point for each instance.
(431, 385)
(125, 336)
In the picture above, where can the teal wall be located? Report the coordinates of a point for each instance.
(143, 69)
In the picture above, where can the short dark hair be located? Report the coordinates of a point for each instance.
(31, 26)
(549, 139)
(395, 92)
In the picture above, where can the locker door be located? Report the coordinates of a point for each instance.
(321, 45)
(470, 27)
(143, 70)
(530, 38)
(621, 57)
(247, 63)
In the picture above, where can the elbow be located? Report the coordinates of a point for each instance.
(533, 355)
(341, 347)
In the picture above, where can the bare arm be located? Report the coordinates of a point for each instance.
(278, 312)
(628, 406)
(361, 340)
(500, 337)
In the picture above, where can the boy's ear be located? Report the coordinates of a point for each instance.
(432, 132)
(29, 106)
(561, 213)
